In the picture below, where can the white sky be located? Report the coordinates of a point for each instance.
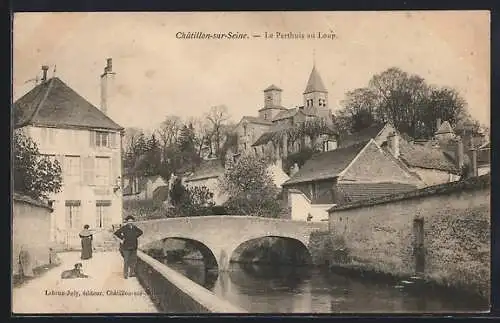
(159, 75)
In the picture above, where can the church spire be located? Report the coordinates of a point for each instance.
(315, 83)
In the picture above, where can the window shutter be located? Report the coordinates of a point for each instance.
(88, 170)
(115, 167)
(113, 140)
(92, 138)
(67, 216)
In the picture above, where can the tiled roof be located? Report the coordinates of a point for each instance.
(207, 169)
(272, 87)
(444, 128)
(161, 193)
(315, 83)
(326, 164)
(426, 157)
(257, 120)
(53, 103)
(361, 136)
(276, 130)
(275, 107)
(285, 114)
(354, 192)
(264, 138)
(485, 145)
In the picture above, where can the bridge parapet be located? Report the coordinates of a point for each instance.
(223, 234)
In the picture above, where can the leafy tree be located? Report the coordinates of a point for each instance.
(250, 187)
(403, 99)
(191, 201)
(34, 175)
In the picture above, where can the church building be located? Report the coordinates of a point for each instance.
(271, 132)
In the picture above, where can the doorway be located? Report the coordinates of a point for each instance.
(418, 245)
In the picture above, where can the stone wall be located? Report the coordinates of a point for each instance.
(380, 235)
(171, 291)
(30, 231)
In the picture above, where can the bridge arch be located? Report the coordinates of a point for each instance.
(209, 257)
(222, 235)
(295, 250)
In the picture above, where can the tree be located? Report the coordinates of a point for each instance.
(169, 130)
(191, 201)
(217, 116)
(403, 99)
(250, 187)
(34, 175)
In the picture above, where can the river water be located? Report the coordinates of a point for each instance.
(286, 289)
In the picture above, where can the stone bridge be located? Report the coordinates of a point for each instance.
(218, 237)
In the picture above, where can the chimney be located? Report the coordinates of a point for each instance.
(107, 87)
(460, 154)
(393, 141)
(109, 65)
(438, 123)
(474, 162)
(45, 68)
(294, 169)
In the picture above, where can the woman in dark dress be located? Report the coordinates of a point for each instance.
(86, 236)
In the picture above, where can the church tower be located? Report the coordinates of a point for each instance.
(272, 103)
(316, 95)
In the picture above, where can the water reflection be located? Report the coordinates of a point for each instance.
(285, 289)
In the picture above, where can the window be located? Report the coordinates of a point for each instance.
(73, 214)
(72, 169)
(102, 139)
(244, 130)
(102, 170)
(245, 146)
(255, 150)
(103, 214)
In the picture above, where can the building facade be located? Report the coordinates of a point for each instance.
(87, 144)
(259, 134)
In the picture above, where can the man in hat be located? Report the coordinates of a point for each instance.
(128, 235)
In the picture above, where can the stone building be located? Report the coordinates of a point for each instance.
(87, 144)
(259, 134)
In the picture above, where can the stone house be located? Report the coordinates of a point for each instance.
(208, 174)
(141, 188)
(361, 170)
(87, 144)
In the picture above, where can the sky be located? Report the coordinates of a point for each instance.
(158, 74)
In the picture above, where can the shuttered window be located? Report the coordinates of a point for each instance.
(73, 214)
(92, 138)
(72, 169)
(116, 169)
(103, 214)
(102, 170)
(88, 170)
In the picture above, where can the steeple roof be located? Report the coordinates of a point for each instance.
(444, 128)
(315, 84)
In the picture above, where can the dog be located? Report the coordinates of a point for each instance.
(76, 272)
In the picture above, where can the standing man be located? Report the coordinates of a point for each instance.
(128, 235)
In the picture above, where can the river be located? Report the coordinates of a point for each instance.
(286, 289)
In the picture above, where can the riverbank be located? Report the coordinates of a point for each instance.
(408, 282)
